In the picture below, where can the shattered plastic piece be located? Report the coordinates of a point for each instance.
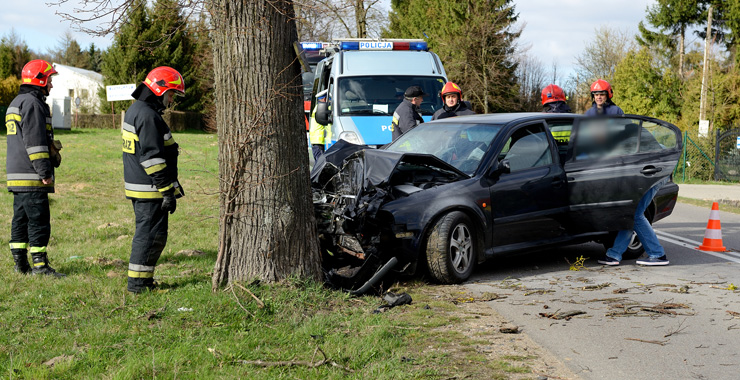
(185, 309)
(393, 300)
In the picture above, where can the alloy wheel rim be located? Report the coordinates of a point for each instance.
(461, 248)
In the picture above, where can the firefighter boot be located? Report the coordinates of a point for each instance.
(41, 265)
(21, 262)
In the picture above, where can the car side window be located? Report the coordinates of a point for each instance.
(655, 137)
(528, 147)
(605, 138)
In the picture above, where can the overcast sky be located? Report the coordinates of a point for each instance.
(555, 30)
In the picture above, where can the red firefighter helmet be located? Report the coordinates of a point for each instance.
(451, 88)
(602, 85)
(552, 93)
(165, 78)
(37, 72)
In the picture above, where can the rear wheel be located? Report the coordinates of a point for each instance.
(451, 248)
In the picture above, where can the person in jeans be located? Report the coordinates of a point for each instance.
(646, 234)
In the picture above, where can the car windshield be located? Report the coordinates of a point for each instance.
(380, 95)
(460, 145)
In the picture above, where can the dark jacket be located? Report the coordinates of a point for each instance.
(406, 117)
(556, 107)
(461, 109)
(609, 109)
(28, 122)
(149, 150)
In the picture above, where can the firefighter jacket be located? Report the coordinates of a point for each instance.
(149, 150)
(28, 122)
(405, 118)
(608, 109)
(556, 107)
(461, 109)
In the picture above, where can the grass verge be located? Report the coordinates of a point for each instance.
(724, 205)
(86, 326)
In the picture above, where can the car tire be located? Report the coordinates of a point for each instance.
(634, 250)
(451, 249)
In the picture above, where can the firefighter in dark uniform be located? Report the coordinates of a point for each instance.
(407, 114)
(150, 171)
(30, 164)
(453, 104)
(553, 100)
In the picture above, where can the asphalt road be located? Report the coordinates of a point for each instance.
(674, 322)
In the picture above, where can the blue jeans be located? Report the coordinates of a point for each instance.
(642, 228)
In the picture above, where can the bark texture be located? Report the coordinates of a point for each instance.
(267, 229)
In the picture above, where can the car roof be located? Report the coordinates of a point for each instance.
(506, 118)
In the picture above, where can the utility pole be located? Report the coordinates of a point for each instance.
(703, 122)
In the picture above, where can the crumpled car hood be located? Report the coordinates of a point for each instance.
(379, 165)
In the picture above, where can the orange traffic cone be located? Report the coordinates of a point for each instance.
(713, 235)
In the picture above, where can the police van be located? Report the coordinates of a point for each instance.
(366, 80)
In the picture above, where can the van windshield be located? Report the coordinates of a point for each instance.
(380, 95)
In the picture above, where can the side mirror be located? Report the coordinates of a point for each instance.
(323, 114)
(503, 167)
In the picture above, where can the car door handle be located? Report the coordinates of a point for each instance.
(557, 182)
(650, 170)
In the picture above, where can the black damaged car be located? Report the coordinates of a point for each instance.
(452, 193)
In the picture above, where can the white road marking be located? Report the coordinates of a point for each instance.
(691, 244)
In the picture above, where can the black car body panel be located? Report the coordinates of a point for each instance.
(526, 181)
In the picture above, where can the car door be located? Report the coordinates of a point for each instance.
(530, 202)
(613, 163)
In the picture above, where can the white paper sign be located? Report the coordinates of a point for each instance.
(119, 92)
(703, 128)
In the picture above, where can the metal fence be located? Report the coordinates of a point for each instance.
(695, 162)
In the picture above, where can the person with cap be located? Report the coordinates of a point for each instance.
(453, 104)
(553, 100)
(407, 114)
(601, 94)
(150, 171)
(316, 131)
(31, 158)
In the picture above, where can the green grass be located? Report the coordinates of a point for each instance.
(103, 332)
(724, 206)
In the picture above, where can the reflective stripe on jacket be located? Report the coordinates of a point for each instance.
(28, 124)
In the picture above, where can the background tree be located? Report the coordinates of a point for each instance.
(14, 54)
(267, 228)
(673, 18)
(598, 60)
(324, 20)
(68, 52)
(532, 78)
(476, 40)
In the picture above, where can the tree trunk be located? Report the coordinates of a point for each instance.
(267, 229)
(360, 18)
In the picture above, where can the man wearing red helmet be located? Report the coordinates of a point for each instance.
(553, 100)
(601, 94)
(30, 164)
(453, 104)
(150, 171)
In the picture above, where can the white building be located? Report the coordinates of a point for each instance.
(70, 84)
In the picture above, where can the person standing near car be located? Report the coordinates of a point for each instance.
(316, 131)
(31, 159)
(453, 104)
(407, 114)
(553, 100)
(601, 95)
(646, 234)
(150, 171)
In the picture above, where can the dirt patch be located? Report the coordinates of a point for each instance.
(491, 337)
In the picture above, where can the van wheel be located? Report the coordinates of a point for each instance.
(451, 249)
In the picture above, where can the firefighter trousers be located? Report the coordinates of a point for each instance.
(31, 224)
(148, 243)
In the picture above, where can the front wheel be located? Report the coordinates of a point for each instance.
(451, 248)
